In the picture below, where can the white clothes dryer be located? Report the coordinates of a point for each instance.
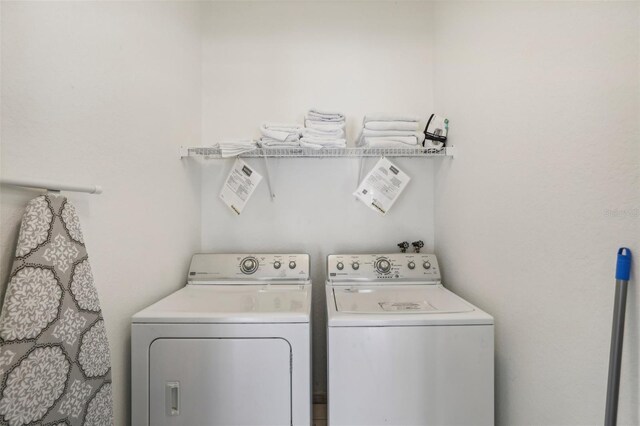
(402, 349)
(233, 347)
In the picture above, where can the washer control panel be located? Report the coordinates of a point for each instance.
(401, 267)
(209, 268)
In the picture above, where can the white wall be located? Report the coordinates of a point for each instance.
(544, 104)
(106, 93)
(275, 60)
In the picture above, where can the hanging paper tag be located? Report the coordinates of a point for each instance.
(239, 185)
(382, 186)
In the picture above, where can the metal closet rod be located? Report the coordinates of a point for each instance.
(52, 186)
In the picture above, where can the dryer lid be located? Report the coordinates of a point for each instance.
(407, 299)
(266, 303)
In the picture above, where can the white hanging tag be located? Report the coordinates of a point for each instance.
(241, 181)
(382, 186)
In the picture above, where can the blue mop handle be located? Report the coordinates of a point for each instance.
(623, 266)
(623, 271)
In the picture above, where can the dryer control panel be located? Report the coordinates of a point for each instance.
(396, 267)
(211, 268)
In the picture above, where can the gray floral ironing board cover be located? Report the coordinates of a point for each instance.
(55, 367)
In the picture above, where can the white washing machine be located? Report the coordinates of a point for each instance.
(233, 347)
(402, 349)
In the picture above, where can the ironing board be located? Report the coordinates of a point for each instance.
(55, 365)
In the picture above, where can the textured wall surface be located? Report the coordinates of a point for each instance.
(105, 93)
(273, 61)
(544, 104)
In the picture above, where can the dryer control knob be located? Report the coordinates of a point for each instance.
(249, 265)
(426, 265)
(340, 266)
(383, 266)
(411, 265)
(355, 266)
(277, 264)
(292, 265)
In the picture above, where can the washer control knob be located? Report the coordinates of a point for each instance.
(340, 266)
(426, 265)
(249, 265)
(383, 265)
(277, 264)
(292, 264)
(411, 265)
(355, 266)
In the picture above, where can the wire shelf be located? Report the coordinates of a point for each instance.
(215, 153)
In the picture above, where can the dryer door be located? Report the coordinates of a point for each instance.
(220, 381)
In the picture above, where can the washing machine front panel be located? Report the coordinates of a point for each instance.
(429, 375)
(220, 382)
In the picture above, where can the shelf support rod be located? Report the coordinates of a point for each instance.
(51, 186)
(266, 166)
(360, 167)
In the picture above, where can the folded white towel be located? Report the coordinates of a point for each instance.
(386, 133)
(231, 148)
(319, 115)
(324, 141)
(335, 133)
(266, 142)
(392, 125)
(338, 143)
(389, 117)
(281, 132)
(391, 142)
(324, 125)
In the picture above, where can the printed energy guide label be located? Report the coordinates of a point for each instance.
(382, 186)
(241, 181)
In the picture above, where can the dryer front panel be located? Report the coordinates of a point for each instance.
(220, 381)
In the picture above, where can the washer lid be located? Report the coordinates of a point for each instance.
(405, 299)
(399, 305)
(268, 303)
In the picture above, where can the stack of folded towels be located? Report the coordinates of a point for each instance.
(323, 130)
(231, 148)
(390, 131)
(276, 135)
